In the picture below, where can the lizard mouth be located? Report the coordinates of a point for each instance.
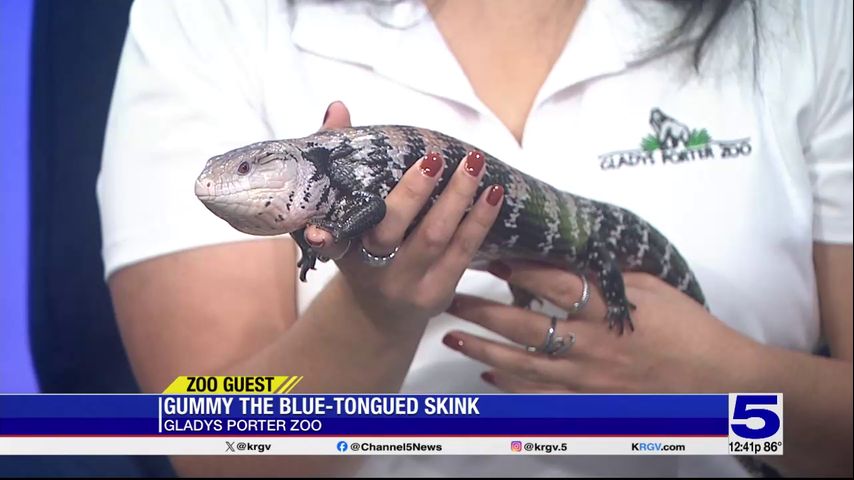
(208, 191)
(254, 211)
(252, 218)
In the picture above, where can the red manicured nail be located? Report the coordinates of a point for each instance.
(431, 164)
(474, 163)
(488, 377)
(494, 195)
(500, 270)
(453, 341)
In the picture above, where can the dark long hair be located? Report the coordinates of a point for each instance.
(709, 16)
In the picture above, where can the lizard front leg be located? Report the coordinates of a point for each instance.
(308, 257)
(352, 215)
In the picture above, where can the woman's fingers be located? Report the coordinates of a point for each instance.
(403, 203)
(337, 116)
(323, 244)
(536, 368)
(558, 286)
(439, 225)
(519, 325)
(440, 234)
(470, 235)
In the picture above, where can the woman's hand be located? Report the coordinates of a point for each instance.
(420, 281)
(677, 346)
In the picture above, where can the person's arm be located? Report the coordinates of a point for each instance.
(817, 391)
(231, 309)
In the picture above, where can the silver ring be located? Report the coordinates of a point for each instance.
(554, 344)
(550, 335)
(376, 260)
(585, 297)
(562, 345)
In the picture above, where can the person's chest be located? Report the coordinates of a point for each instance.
(713, 163)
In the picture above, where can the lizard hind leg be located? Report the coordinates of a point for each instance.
(609, 279)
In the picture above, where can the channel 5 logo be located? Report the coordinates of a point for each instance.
(756, 416)
(515, 446)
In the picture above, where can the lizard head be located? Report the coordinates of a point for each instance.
(266, 188)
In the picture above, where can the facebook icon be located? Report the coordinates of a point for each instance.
(342, 446)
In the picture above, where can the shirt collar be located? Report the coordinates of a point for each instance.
(404, 45)
(593, 50)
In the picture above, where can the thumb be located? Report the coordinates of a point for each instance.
(337, 116)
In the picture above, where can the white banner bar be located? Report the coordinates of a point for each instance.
(366, 446)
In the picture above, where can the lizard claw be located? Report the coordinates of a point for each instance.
(619, 317)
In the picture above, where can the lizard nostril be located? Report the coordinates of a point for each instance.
(203, 190)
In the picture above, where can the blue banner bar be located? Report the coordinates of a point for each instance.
(290, 415)
(384, 426)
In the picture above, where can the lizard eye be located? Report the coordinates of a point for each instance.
(243, 168)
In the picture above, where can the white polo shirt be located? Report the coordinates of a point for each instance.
(769, 171)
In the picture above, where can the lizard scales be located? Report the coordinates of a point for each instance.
(337, 179)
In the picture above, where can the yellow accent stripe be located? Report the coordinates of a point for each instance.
(287, 384)
(279, 387)
(299, 379)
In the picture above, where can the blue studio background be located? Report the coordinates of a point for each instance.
(57, 331)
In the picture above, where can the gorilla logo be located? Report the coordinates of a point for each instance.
(669, 132)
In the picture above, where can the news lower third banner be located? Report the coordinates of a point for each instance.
(255, 416)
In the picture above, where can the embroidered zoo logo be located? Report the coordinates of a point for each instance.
(673, 142)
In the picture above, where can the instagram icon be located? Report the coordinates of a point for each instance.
(515, 446)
